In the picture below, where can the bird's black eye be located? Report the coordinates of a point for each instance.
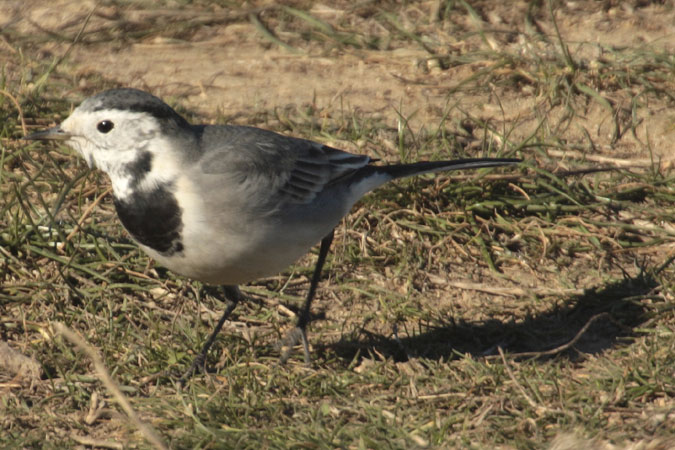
(105, 126)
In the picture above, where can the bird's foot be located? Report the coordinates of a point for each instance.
(195, 367)
(292, 338)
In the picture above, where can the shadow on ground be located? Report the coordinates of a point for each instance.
(614, 311)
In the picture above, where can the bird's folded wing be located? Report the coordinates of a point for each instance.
(272, 165)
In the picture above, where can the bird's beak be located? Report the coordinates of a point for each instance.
(51, 134)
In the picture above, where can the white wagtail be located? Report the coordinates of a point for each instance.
(224, 204)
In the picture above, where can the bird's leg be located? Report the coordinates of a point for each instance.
(232, 297)
(299, 333)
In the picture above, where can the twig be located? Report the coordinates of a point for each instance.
(147, 431)
(519, 190)
(91, 442)
(513, 378)
(644, 162)
(540, 409)
(86, 214)
(560, 348)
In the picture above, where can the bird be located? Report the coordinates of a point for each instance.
(225, 204)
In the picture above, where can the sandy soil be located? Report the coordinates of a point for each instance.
(227, 67)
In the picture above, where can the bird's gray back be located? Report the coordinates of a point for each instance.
(266, 166)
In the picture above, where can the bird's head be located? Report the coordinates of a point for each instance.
(116, 127)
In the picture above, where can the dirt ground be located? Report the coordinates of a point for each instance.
(228, 68)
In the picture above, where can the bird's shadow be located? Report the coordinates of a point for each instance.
(599, 319)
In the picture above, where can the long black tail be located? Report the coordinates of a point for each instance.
(419, 168)
(371, 176)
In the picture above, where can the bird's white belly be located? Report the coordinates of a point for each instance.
(228, 249)
(228, 260)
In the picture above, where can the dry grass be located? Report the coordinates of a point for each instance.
(507, 308)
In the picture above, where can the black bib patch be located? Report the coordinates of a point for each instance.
(138, 169)
(153, 218)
